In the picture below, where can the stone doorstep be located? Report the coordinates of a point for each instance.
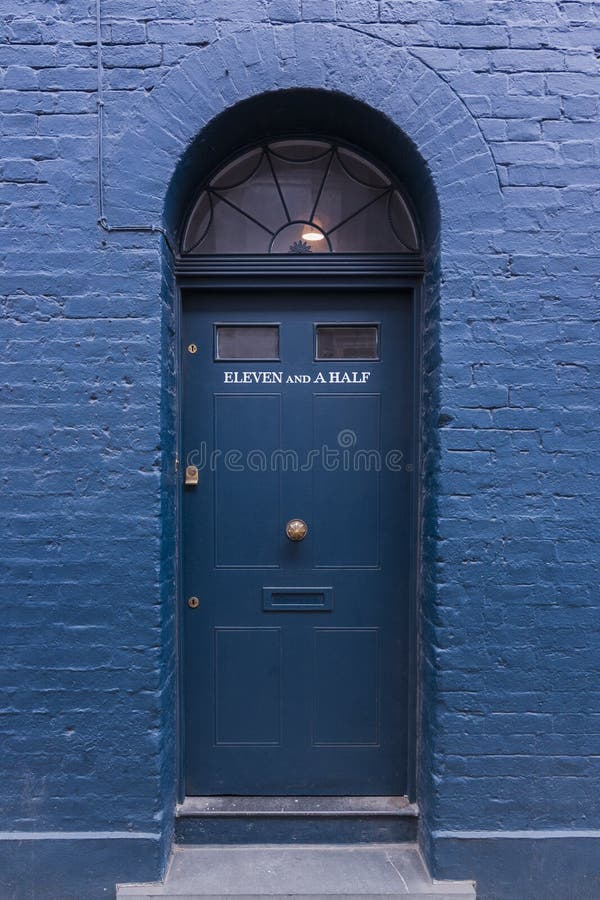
(296, 806)
(295, 820)
(409, 896)
(304, 872)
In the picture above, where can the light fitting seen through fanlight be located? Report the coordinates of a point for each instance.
(300, 196)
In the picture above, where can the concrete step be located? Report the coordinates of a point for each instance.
(356, 872)
(409, 896)
(301, 820)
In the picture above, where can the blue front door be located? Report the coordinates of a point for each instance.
(298, 415)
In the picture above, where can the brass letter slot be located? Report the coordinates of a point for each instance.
(191, 475)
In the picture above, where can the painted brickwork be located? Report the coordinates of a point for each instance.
(501, 102)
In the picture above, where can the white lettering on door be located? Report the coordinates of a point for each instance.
(277, 378)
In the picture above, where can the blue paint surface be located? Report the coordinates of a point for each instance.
(498, 106)
(297, 700)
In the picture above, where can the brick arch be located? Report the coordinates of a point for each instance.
(166, 122)
(154, 138)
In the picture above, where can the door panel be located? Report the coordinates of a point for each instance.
(248, 703)
(239, 493)
(349, 494)
(295, 660)
(343, 717)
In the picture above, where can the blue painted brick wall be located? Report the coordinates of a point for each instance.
(511, 618)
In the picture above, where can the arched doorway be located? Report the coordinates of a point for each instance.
(300, 264)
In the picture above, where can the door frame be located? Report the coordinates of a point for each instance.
(340, 272)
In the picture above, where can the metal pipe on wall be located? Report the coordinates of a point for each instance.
(102, 220)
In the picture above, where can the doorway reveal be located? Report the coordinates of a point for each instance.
(299, 272)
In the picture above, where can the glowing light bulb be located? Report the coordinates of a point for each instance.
(312, 236)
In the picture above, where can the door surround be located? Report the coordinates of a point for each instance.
(348, 273)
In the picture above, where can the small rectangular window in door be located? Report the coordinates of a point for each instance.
(347, 342)
(247, 342)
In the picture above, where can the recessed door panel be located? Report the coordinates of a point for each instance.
(346, 485)
(244, 423)
(346, 687)
(296, 541)
(248, 699)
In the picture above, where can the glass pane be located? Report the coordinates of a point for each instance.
(198, 224)
(369, 231)
(233, 232)
(347, 342)
(342, 196)
(247, 341)
(297, 151)
(237, 171)
(362, 171)
(402, 222)
(300, 183)
(257, 196)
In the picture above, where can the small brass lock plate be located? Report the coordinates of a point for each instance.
(191, 475)
(193, 602)
(192, 348)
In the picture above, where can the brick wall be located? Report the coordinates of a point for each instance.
(510, 609)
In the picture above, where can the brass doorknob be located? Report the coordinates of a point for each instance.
(296, 529)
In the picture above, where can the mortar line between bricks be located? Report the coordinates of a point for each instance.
(532, 834)
(415, 55)
(78, 835)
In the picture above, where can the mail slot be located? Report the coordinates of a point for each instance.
(297, 599)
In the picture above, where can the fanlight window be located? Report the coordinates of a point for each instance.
(300, 196)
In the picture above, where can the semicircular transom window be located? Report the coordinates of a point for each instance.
(300, 196)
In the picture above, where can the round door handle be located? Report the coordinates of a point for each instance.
(296, 529)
